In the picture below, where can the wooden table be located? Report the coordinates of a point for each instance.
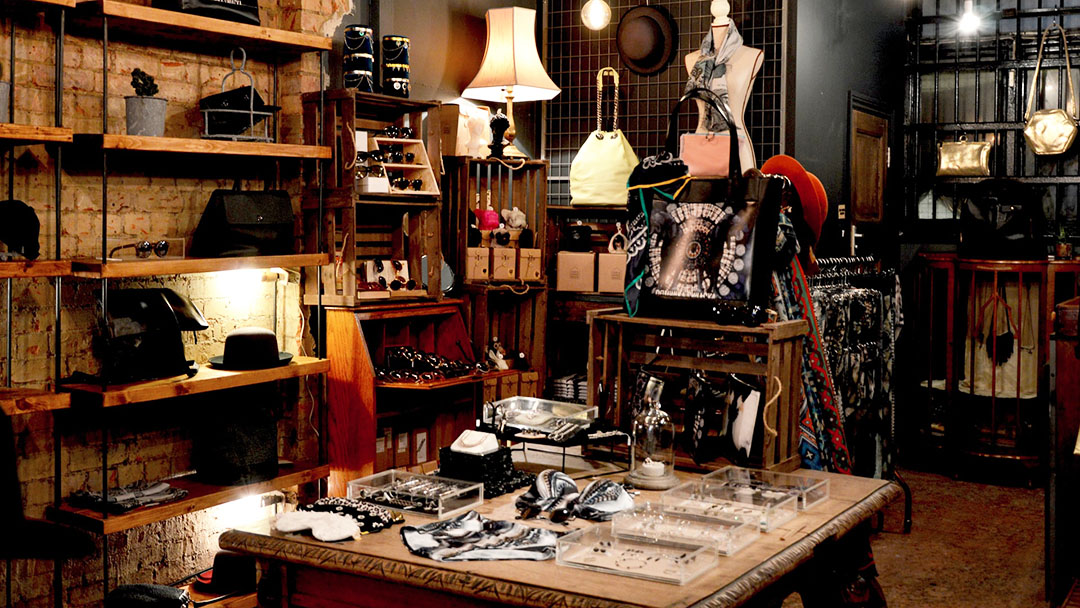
(378, 570)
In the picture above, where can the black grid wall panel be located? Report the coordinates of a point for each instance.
(576, 54)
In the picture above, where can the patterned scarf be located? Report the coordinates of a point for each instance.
(710, 72)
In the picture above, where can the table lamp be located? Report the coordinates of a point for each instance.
(511, 68)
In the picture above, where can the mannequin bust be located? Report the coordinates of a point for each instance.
(742, 70)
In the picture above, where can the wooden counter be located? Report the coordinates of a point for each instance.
(379, 570)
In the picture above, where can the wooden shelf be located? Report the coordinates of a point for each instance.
(441, 384)
(200, 496)
(95, 269)
(394, 140)
(416, 295)
(191, 145)
(572, 209)
(372, 106)
(132, 22)
(29, 134)
(406, 167)
(343, 197)
(40, 268)
(24, 5)
(14, 401)
(247, 600)
(207, 380)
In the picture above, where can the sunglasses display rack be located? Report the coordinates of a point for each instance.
(653, 520)
(419, 494)
(406, 165)
(810, 491)
(766, 508)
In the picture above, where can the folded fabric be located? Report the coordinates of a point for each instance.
(129, 497)
(472, 537)
(327, 527)
(601, 500)
(552, 490)
(370, 518)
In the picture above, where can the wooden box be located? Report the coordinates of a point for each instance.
(610, 272)
(509, 385)
(576, 271)
(620, 346)
(530, 265)
(478, 264)
(504, 264)
(529, 386)
(1067, 317)
(515, 314)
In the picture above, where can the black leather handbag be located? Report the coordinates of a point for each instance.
(240, 223)
(240, 11)
(699, 244)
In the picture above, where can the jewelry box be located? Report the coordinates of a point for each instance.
(598, 548)
(653, 520)
(429, 495)
(809, 490)
(768, 508)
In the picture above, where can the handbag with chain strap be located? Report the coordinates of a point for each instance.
(599, 172)
(1051, 131)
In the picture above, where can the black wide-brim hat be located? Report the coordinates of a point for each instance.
(647, 39)
(250, 348)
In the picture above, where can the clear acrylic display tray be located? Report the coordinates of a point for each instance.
(439, 497)
(598, 548)
(768, 508)
(808, 490)
(533, 414)
(654, 520)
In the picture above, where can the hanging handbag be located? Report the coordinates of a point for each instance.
(1051, 131)
(599, 172)
(708, 154)
(964, 158)
(699, 244)
(239, 223)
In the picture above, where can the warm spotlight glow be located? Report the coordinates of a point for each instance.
(969, 22)
(241, 513)
(596, 14)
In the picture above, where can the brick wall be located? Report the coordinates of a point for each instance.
(150, 197)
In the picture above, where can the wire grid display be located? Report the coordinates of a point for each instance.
(575, 54)
(976, 86)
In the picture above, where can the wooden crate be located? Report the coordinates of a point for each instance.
(361, 232)
(524, 187)
(517, 316)
(619, 346)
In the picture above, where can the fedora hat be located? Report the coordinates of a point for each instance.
(251, 348)
(647, 39)
(812, 196)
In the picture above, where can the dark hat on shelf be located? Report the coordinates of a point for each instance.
(250, 348)
(19, 228)
(647, 39)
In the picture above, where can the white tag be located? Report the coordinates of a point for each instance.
(403, 442)
(380, 445)
(743, 429)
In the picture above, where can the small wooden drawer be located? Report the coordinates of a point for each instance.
(504, 264)
(529, 265)
(491, 389)
(509, 386)
(478, 264)
(529, 387)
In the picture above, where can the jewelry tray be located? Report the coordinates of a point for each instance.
(653, 520)
(808, 490)
(768, 508)
(534, 414)
(405, 492)
(598, 548)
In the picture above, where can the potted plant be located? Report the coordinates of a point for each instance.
(145, 113)
(1064, 248)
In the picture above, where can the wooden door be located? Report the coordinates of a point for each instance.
(869, 164)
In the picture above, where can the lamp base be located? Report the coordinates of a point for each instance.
(511, 151)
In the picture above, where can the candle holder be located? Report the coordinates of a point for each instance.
(652, 460)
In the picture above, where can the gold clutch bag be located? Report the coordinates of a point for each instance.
(1051, 131)
(964, 158)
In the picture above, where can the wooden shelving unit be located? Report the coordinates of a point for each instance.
(190, 145)
(136, 23)
(206, 380)
(39, 268)
(95, 269)
(31, 134)
(441, 384)
(15, 401)
(56, 3)
(200, 496)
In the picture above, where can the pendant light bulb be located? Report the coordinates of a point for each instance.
(596, 14)
(969, 22)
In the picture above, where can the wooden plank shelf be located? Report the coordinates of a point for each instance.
(15, 401)
(14, 134)
(200, 496)
(441, 384)
(337, 198)
(373, 106)
(41, 268)
(191, 145)
(95, 269)
(136, 23)
(208, 379)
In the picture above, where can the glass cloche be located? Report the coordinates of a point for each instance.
(652, 460)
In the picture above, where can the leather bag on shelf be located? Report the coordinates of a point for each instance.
(599, 172)
(240, 11)
(699, 245)
(964, 158)
(240, 223)
(1051, 131)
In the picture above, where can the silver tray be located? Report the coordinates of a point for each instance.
(533, 414)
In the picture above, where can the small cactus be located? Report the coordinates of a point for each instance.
(143, 83)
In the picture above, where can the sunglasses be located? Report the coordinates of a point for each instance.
(397, 283)
(395, 132)
(402, 183)
(143, 249)
(398, 157)
(375, 155)
(363, 171)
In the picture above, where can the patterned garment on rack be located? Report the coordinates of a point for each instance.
(822, 442)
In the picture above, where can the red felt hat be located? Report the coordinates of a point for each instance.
(815, 203)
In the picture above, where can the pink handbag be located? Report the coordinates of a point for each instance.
(707, 154)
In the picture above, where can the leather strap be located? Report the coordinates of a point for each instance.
(1070, 104)
(710, 98)
(600, 99)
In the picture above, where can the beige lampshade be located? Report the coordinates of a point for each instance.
(511, 60)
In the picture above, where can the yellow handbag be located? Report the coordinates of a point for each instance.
(599, 172)
(1051, 131)
(964, 158)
